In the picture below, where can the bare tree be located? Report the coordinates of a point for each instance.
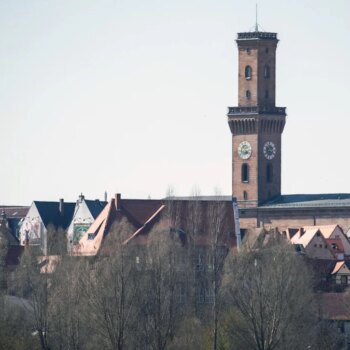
(110, 290)
(217, 251)
(34, 286)
(268, 292)
(162, 298)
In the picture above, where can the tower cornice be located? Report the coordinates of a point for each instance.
(256, 36)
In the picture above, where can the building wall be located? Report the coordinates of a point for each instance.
(33, 228)
(82, 220)
(317, 249)
(284, 218)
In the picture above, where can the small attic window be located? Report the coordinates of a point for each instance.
(318, 234)
(91, 236)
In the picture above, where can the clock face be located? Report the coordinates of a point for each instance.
(269, 150)
(244, 150)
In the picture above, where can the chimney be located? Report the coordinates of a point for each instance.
(118, 201)
(105, 196)
(61, 206)
(302, 231)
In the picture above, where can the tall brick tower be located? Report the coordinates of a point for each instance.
(256, 124)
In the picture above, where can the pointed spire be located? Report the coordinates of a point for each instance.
(256, 18)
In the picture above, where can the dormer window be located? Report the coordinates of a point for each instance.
(248, 72)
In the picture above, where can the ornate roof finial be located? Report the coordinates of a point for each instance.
(256, 18)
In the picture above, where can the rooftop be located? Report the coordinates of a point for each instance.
(325, 200)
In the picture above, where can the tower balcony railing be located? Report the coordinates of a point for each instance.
(256, 110)
(257, 35)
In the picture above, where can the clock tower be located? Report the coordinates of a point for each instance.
(256, 123)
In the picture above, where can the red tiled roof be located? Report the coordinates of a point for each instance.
(339, 245)
(14, 211)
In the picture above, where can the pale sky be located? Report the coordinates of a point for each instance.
(131, 96)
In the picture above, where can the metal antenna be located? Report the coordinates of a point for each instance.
(256, 18)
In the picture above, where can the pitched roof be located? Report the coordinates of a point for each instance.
(98, 230)
(95, 207)
(143, 214)
(337, 267)
(309, 201)
(326, 230)
(50, 213)
(14, 211)
(138, 211)
(306, 237)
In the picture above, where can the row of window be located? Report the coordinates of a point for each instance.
(248, 72)
(245, 173)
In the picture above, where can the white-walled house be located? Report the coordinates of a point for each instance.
(85, 213)
(33, 228)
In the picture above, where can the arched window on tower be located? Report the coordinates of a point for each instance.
(248, 72)
(266, 72)
(245, 172)
(245, 195)
(248, 94)
(269, 173)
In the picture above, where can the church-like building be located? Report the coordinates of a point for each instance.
(257, 125)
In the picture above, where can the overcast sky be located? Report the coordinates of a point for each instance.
(131, 96)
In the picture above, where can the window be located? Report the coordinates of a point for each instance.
(266, 72)
(248, 94)
(344, 280)
(266, 93)
(248, 51)
(245, 195)
(248, 72)
(91, 236)
(245, 172)
(267, 50)
(269, 173)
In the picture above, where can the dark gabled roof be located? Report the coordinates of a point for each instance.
(14, 211)
(138, 211)
(95, 207)
(309, 201)
(50, 214)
